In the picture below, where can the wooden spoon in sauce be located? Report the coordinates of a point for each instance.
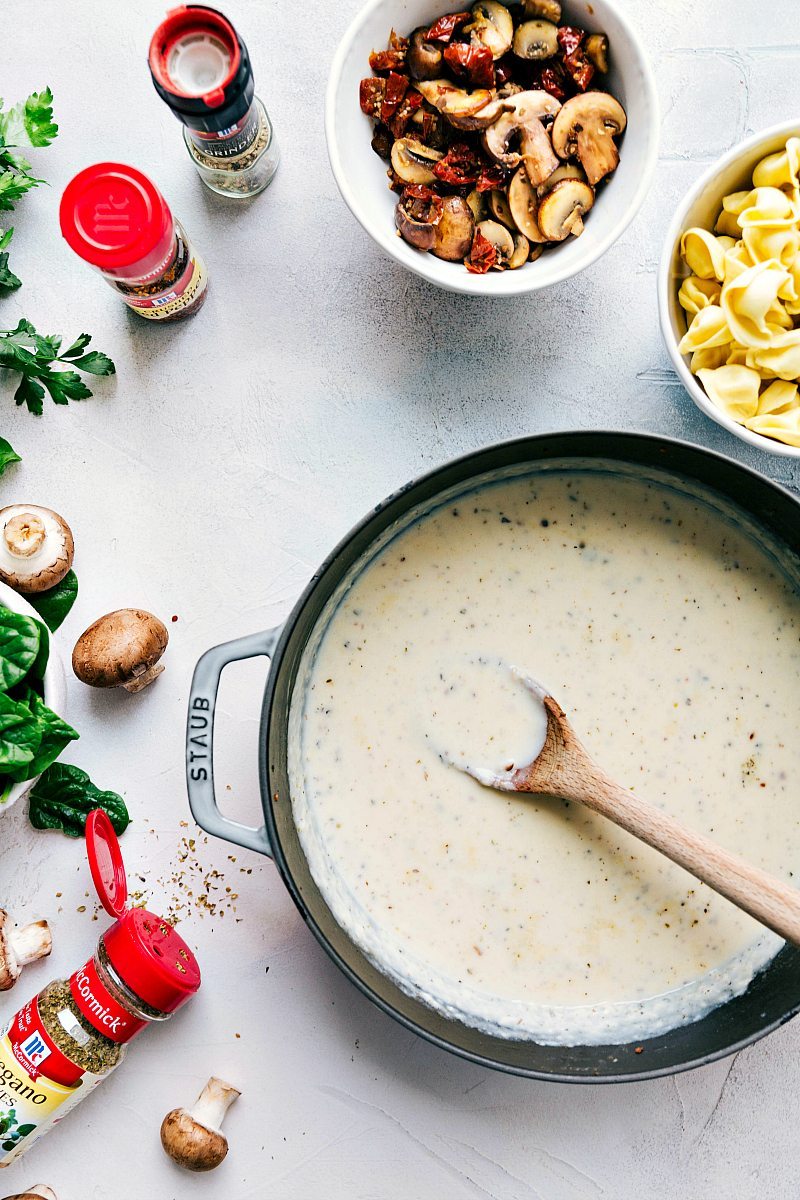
(564, 768)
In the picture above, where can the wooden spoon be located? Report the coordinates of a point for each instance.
(564, 768)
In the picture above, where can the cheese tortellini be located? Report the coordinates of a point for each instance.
(742, 300)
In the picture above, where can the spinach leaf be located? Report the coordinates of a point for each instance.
(55, 735)
(8, 454)
(54, 604)
(20, 640)
(64, 797)
(20, 738)
(39, 666)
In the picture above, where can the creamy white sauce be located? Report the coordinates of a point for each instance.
(670, 637)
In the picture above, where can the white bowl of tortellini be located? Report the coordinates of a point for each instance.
(729, 290)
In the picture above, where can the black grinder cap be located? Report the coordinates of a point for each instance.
(201, 69)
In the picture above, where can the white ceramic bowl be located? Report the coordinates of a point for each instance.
(55, 687)
(361, 175)
(701, 207)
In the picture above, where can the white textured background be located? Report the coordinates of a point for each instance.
(207, 481)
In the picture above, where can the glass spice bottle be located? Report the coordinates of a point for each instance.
(116, 219)
(201, 69)
(62, 1044)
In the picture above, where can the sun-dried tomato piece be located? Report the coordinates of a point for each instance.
(504, 71)
(422, 203)
(491, 177)
(580, 68)
(473, 61)
(459, 166)
(553, 79)
(371, 94)
(387, 60)
(483, 255)
(396, 88)
(396, 42)
(443, 29)
(409, 105)
(569, 38)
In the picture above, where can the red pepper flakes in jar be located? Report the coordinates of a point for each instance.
(116, 219)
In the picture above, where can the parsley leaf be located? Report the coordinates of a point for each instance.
(29, 123)
(8, 455)
(7, 277)
(33, 355)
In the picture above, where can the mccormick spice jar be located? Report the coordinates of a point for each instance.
(115, 218)
(201, 69)
(61, 1045)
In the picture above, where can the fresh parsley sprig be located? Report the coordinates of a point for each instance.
(33, 355)
(27, 124)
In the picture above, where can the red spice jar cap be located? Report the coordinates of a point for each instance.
(115, 218)
(144, 950)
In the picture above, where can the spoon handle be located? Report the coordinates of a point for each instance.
(769, 900)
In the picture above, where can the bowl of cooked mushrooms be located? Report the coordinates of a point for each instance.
(496, 149)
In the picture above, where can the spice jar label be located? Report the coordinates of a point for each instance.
(31, 1102)
(182, 295)
(100, 1008)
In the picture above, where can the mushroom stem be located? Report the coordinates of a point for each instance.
(24, 534)
(142, 680)
(31, 942)
(213, 1102)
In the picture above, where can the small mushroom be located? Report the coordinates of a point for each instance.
(477, 204)
(39, 1191)
(493, 27)
(20, 946)
(550, 10)
(424, 59)
(534, 40)
(455, 230)
(36, 547)
(523, 203)
(536, 252)
(561, 210)
(597, 50)
(121, 649)
(521, 251)
(413, 161)
(464, 110)
(523, 119)
(501, 239)
(565, 171)
(498, 203)
(586, 127)
(193, 1138)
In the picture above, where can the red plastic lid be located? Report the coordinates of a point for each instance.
(176, 55)
(148, 955)
(113, 216)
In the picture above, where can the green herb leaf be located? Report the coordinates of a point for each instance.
(20, 638)
(8, 455)
(95, 363)
(20, 738)
(64, 797)
(13, 187)
(33, 354)
(30, 123)
(31, 393)
(55, 735)
(54, 604)
(7, 277)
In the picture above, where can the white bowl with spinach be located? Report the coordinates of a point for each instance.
(33, 692)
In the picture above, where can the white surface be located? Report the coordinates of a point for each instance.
(701, 207)
(362, 179)
(207, 480)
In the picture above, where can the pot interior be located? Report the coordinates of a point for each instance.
(773, 995)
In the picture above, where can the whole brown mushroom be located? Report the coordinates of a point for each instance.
(36, 547)
(193, 1137)
(454, 230)
(39, 1191)
(121, 649)
(19, 946)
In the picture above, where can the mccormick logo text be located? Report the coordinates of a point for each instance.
(101, 1015)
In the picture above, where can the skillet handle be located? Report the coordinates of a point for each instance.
(200, 740)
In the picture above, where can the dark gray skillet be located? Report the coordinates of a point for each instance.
(773, 996)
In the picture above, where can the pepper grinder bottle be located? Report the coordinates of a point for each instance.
(201, 69)
(115, 218)
(61, 1045)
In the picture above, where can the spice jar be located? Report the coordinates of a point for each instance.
(61, 1045)
(115, 218)
(201, 69)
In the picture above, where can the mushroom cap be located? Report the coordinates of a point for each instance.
(523, 202)
(523, 116)
(462, 109)
(454, 232)
(424, 58)
(191, 1144)
(36, 547)
(550, 10)
(119, 648)
(562, 208)
(522, 248)
(39, 1191)
(499, 237)
(536, 40)
(587, 125)
(493, 26)
(8, 974)
(413, 161)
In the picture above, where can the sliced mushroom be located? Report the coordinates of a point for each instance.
(523, 203)
(550, 10)
(565, 171)
(586, 126)
(534, 40)
(536, 252)
(36, 548)
(19, 946)
(121, 649)
(561, 210)
(413, 161)
(477, 204)
(498, 203)
(523, 119)
(521, 250)
(501, 239)
(424, 59)
(464, 110)
(597, 50)
(454, 232)
(492, 27)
